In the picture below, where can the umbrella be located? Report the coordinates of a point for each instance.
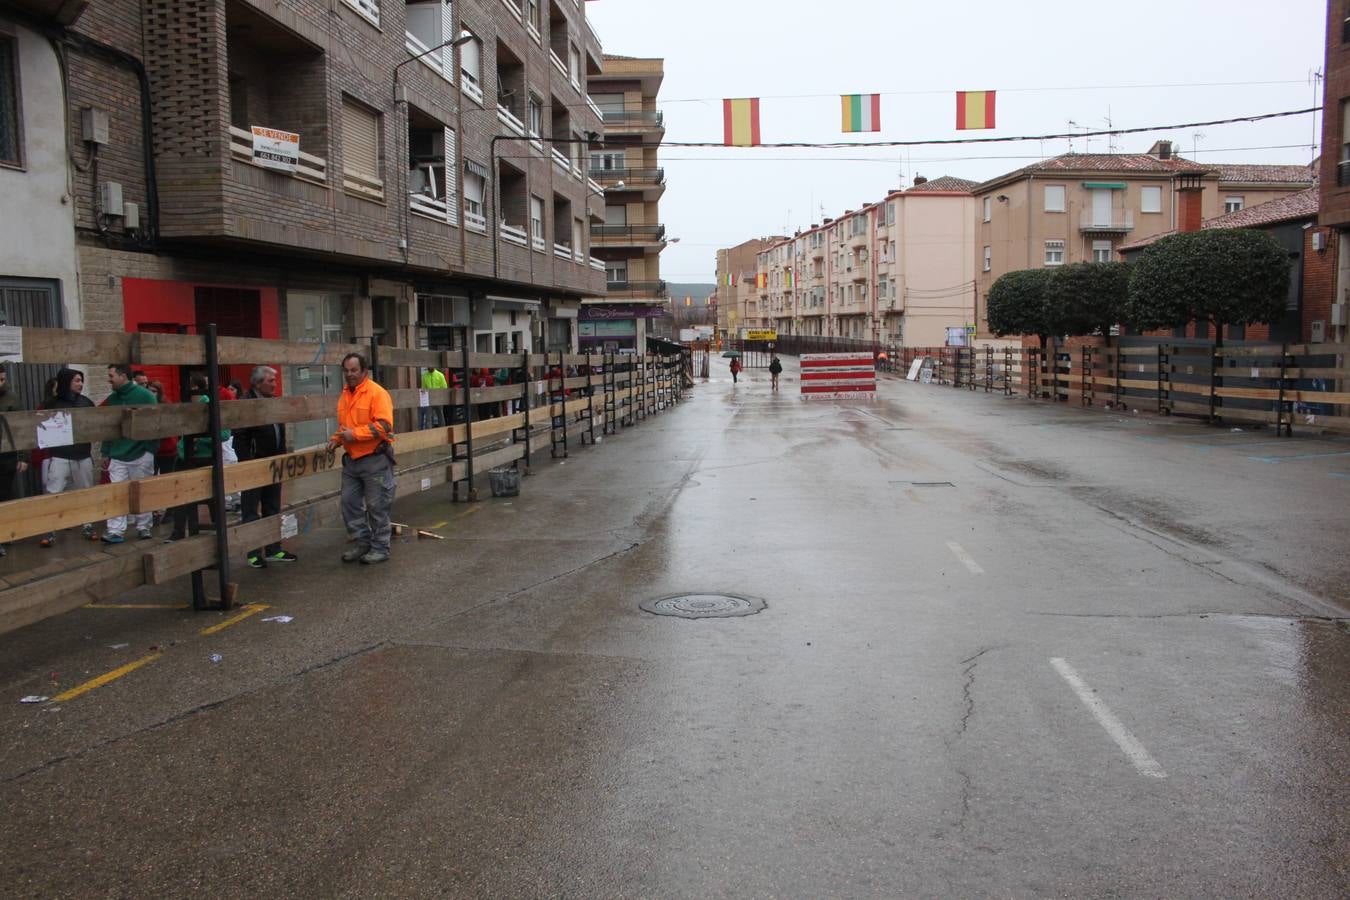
(730, 353)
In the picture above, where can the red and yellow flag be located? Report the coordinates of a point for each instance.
(740, 122)
(761, 280)
(974, 109)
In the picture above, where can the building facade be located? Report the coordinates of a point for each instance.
(631, 236)
(896, 271)
(737, 294)
(1082, 207)
(312, 170)
(1334, 171)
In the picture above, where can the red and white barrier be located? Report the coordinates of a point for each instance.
(838, 374)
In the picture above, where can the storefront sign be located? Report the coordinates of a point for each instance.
(760, 334)
(274, 149)
(624, 311)
(624, 328)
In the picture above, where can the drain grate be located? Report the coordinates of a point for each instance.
(703, 606)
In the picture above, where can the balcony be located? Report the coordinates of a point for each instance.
(310, 168)
(637, 288)
(590, 104)
(597, 264)
(628, 235)
(631, 178)
(513, 235)
(475, 222)
(557, 63)
(1343, 173)
(471, 88)
(636, 121)
(432, 207)
(425, 30)
(562, 251)
(1118, 221)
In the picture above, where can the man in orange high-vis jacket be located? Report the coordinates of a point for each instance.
(366, 434)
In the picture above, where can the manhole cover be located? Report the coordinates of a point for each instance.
(703, 606)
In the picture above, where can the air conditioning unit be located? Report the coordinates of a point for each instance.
(1319, 242)
(1339, 314)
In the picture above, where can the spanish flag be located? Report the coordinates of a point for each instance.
(861, 112)
(762, 280)
(974, 109)
(740, 122)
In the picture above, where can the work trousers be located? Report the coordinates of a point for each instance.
(268, 498)
(133, 470)
(61, 475)
(367, 496)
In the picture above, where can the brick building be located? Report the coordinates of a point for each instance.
(1334, 212)
(314, 169)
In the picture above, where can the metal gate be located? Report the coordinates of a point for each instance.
(32, 303)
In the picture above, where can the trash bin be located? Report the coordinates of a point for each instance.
(505, 481)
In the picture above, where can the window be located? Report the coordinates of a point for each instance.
(361, 150)
(574, 65)
(616, 271)
(9, 104)
(988, 208)
(368, 8)
(535, 114)
(532, 16)
(607, 161)
(471, 69)
(1150, 199)
(1232, 204)
(537, 219)
(1343, 168)
(1101, 251)
(988, 258)
(474, 185)
(1054, 198)
(1054, 253)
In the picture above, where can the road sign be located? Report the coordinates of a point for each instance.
(761, 334)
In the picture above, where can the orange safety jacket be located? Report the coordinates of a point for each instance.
(369, 412)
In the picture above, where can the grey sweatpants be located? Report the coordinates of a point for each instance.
(367, 495)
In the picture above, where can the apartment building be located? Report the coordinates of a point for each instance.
(1334, 169)
(631, 236)
(894, 271)
(737, 295)
(312, 169)
(1081, 207)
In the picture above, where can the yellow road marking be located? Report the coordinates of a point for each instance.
(103, 679)
(470, 511)
(251, 609)
(136, 606)
(437, 525)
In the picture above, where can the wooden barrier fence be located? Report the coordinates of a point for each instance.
(1278, 384)
(568, 396)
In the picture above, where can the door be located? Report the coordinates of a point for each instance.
(317, 319)
(33, 303)
(1101, 208)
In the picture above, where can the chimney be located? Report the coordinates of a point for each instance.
(1190, 190)
(828, 221)
(919, 179)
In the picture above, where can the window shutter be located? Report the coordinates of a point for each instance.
(451, 163)
(360, 141)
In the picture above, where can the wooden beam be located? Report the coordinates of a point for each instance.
(54, 512)
(110, 576)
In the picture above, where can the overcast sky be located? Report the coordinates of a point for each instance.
(1050, 63)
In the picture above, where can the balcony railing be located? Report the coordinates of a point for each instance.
(594, 186)
(432, 207)
(538, 243)
(561, 161)
(594, 108)
(562, 251)
(630, 177)
(438, 60)
(635, 117)
(508, 118)
(512, 234)
(475, 221)
(1343, 169)
(618, 234)
(1118, 221)
(557, 63)
(638, 288)
(310, 167)
(471, 88)
(597, 264)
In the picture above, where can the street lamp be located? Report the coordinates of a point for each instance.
(464, 37)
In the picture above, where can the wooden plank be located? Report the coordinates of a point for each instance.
(484, 461)
(1289, 395)
(235, 351)
(1277, 349)
(110, 576)
(149, 348)
(1291, 373)
(405, 357)
(54, 512)
(94, 424)
(59, 346)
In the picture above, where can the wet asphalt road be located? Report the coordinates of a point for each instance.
(1010, 649)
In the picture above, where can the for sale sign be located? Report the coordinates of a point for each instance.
(274, 149)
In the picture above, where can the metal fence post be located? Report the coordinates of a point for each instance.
(218, 470)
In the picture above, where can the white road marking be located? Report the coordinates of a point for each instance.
(966, 559)
(1127, 742)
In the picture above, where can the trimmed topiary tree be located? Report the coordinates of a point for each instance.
(1088, 297)
(1016, 304)
(1224, 276)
